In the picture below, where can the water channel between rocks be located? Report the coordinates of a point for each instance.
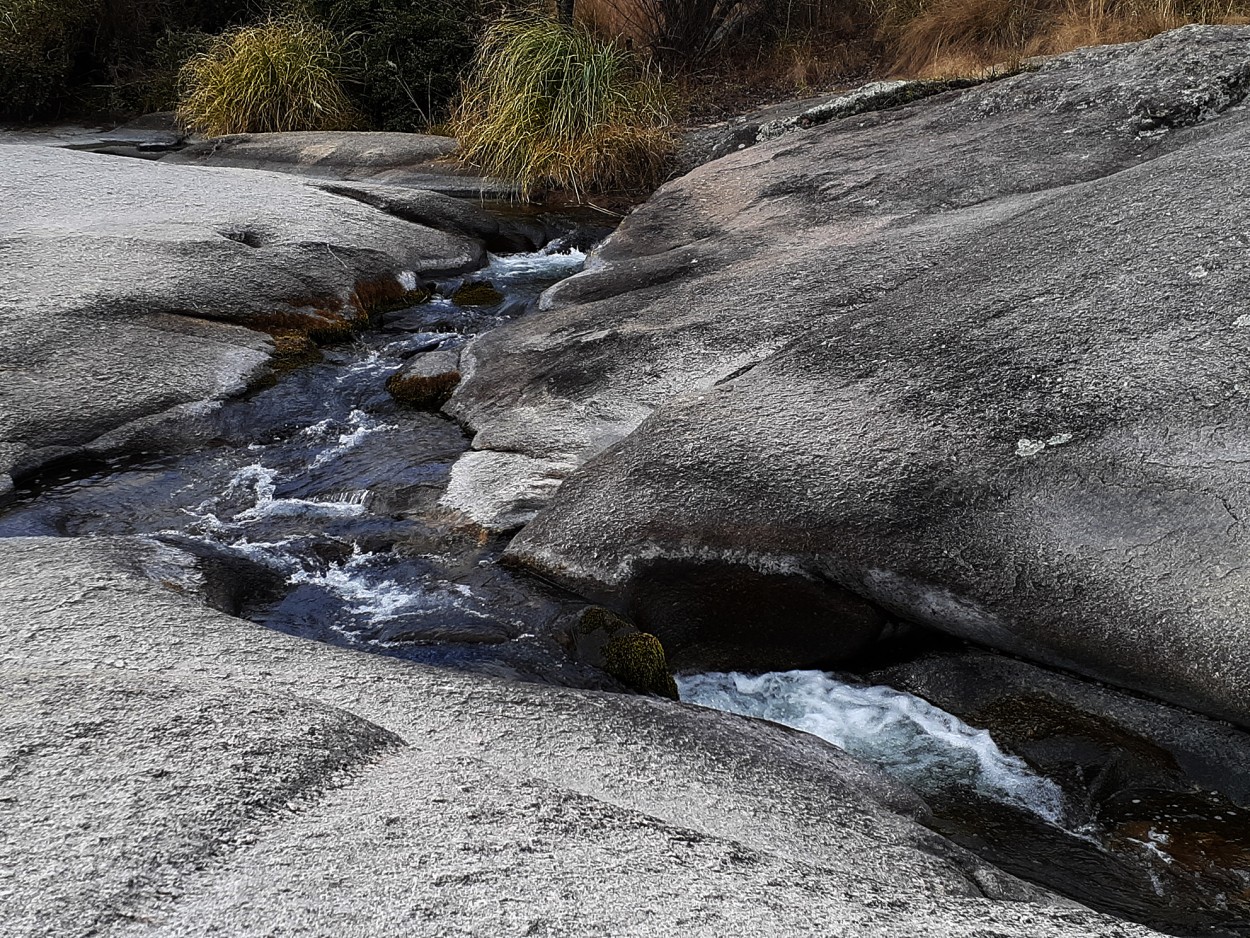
(312, 507)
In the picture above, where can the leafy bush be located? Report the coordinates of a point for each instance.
(39, 45)
(410, 55)
(282, 74)
(549, 105)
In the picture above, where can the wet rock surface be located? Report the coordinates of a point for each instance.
(1156, 795)
(976, 361)
(314, 503)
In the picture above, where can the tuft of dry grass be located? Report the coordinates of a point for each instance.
(551, 106)
(284, 73)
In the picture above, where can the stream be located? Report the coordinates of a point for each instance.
(312, 504)
(312, 507)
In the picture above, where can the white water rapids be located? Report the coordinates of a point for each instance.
(905, 736)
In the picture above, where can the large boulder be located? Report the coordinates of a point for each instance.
(130, 289)
(979, 363)
(172, 771)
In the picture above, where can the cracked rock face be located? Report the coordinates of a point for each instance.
(979, 362)
(126, 287)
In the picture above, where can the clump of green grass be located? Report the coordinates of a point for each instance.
(281, 74)
(551, 106)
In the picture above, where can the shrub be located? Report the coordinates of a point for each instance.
(549, 105)
(281, 74)
(39, 44)
(410, 55)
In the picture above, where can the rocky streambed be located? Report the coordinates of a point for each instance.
(924, 419)
(318, 505)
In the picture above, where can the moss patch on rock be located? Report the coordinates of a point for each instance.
(477, 294)
(637, 660)
(293, 349)
(425, 392)
(605, 640)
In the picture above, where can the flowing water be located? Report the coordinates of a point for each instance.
(312, 507)
(1178, 860)
(929, 749)
(313, 504)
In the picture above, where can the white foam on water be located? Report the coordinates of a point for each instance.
(263, 483)
(553, 261)
(364, 595)
(298, 508)
(360, 426)
(262, 480)
(355, 497)
(908, 737)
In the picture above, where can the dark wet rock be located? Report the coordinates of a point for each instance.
(499, 233)
(131, 291)
(418, 161)
(427, 380)
(174, 771)
(1079, 732)
(1160, 795)
(721, 615)
(974, 361)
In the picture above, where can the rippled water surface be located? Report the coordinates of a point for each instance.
(314, 502)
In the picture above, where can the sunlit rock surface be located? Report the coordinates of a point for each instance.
(978, 362)
(126, 286)
(171, 770)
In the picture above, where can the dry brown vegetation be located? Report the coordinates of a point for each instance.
(961, 37)
(801, 45)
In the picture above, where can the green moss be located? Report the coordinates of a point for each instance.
(637, 660)
(598, 619)
(477, 294)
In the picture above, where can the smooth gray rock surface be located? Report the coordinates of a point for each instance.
(127, 287)
(416, 160)
(147, 137)
(980, 362)
(170, 770)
